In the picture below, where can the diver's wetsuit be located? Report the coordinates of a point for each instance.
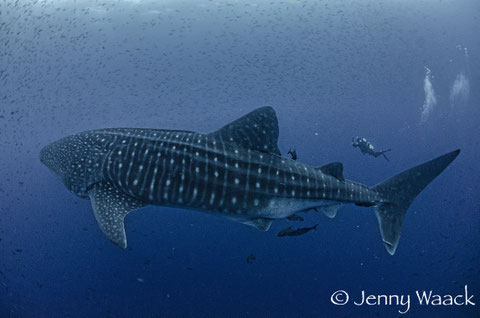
(367, 148)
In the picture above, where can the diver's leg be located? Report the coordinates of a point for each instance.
(383, 153)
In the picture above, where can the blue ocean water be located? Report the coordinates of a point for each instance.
(403, 74)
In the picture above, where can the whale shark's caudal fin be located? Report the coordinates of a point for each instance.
(110, 207)
(400, 191)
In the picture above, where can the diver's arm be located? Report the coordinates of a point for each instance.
(353, 142)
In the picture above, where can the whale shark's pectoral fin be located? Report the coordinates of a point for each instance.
(110, 207)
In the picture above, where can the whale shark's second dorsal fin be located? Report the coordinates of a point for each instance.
(334, 169)
(110, 207)
(257, 130)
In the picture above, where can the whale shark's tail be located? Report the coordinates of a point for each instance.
(400, 191)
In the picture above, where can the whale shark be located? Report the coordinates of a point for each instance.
(236, 172)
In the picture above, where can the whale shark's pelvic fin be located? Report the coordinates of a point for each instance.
(110, 207)
(261, 224)
(257, 130)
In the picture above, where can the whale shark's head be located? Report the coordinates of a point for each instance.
(55, 157)
(74, 160)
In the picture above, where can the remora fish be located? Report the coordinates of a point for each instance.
(236, 172)
(289, 231)
(294, 217)
(251, 258)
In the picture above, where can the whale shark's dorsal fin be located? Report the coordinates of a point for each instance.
(110, 207)
(334, 169)
(257, 130)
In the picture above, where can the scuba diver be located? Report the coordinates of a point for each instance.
(367, 148)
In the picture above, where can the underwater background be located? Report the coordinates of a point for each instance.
(402, 73)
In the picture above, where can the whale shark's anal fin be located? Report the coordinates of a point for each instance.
(110, 207)
(330, 210)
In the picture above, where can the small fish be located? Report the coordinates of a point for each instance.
(295, 217)
(251, 258)
(293, 154)
(291, 232)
